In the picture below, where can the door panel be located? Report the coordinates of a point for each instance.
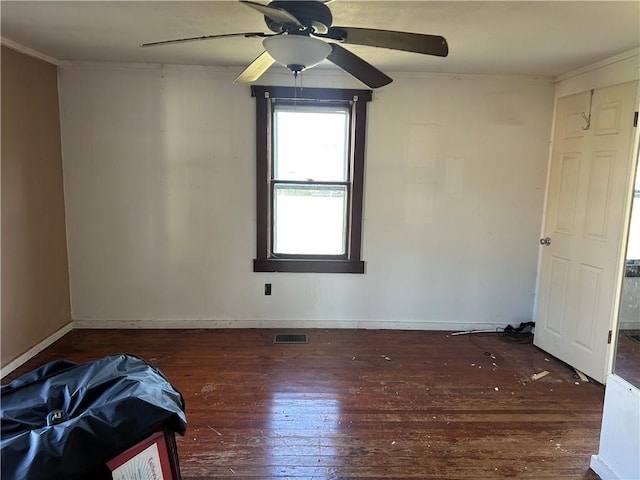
(557, 294)
(608, 118)
(589, 295)
(598, 195)
(588, 183)
(566, 205)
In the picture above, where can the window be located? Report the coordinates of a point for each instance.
(310, 168)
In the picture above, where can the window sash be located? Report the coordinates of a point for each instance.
(341, 151)
(345, 218)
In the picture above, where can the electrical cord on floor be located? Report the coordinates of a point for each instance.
(521, 334)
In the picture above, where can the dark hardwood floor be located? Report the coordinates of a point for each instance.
(627, 359)
(363, 404)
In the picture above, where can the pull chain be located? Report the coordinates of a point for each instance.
(295, 88)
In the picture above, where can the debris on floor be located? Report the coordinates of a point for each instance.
(469, 332)
(581, 376)
(538, 376)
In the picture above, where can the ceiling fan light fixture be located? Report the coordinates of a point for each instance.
(296, 52)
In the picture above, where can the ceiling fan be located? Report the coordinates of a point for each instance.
(299, 41)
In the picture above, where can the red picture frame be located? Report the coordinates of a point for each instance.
(148, 460)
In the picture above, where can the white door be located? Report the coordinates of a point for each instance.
(587, 194)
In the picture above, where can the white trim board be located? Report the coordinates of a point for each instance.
(602, 469)
(599, 65)
(285, 323)
(33, 351)
(27, 51)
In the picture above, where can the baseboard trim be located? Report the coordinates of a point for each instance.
(602, 469)
(33, 351)
(629, 325)
(279, 323)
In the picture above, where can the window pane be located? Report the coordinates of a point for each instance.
(309, 219)
(310, 143)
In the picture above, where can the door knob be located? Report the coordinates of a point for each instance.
(545, 241)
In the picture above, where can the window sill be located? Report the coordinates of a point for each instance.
(308, 266)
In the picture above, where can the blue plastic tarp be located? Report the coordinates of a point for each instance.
(65, 420)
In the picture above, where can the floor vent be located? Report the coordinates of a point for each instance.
(290, 338)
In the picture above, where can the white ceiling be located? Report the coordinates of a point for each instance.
(504, 37)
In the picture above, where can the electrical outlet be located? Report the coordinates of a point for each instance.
(267, 289)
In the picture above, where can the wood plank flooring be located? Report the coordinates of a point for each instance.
(363, 404)
(627, 359)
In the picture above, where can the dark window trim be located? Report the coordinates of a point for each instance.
(358, 98)
(291, 93)
(307, 266)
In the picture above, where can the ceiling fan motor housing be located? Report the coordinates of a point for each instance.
(314, 15)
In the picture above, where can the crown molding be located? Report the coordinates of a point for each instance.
(27, 51)
(635, 52)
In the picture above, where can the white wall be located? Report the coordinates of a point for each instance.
(159, 190)
(618, 456)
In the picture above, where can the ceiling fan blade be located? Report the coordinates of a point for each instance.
(276, 14)
(356, 66)
(205, 37)
(255, 69)
(409, 42)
